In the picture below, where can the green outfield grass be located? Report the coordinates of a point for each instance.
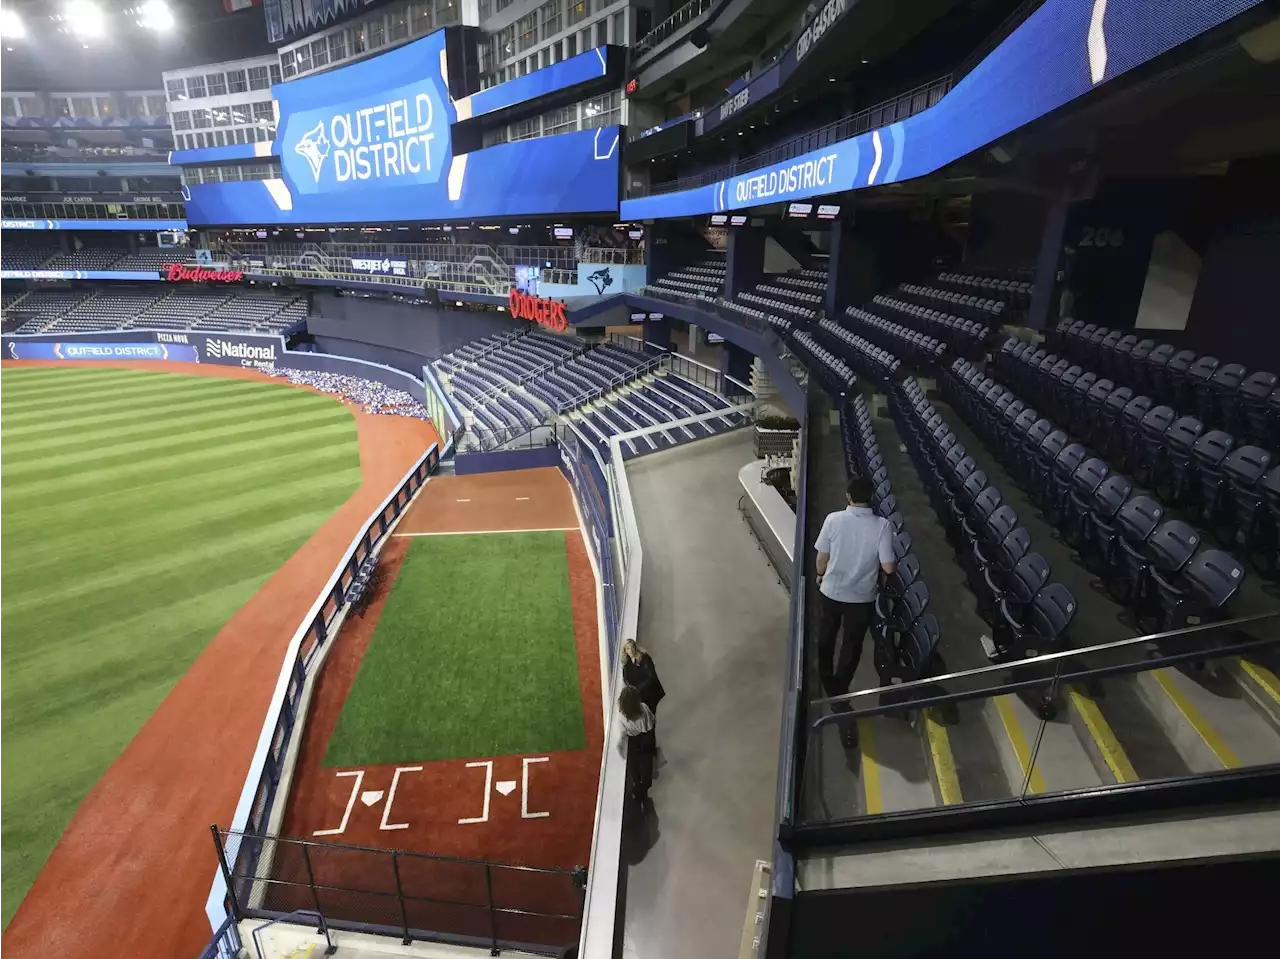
(140, 510)
(473, 655)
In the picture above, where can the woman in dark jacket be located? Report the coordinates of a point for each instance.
(638, 671)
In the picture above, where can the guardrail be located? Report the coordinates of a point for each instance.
(686, 15)
(613, 255)
(322, 621)
(408, 895)
(872, 118)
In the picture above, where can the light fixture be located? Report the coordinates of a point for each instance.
(11, 27)
(864, 61)
(85, 18)
(831, 79)
(156, 15)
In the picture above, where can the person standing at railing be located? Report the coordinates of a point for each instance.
(854, 546)
(639, 726)
(639, 671)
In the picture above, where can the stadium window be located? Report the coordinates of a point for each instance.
(486, 10)
(420, 22)
(135, 106)
(236, 82)
(355, 39)
(399, 24)
(337, 46)
(319, 53)
(377, 33)
(155, 105)
(8, 107)
(527, 31)
(552, 18)
(105, 107)
(578, 11)
(503, 4)
(216, 84)
(620, 28)
(571, 45)
(176, 89)
(559, 56)
(201, 118)
(584, 40)
(221, 117)
(82, 106)
(602, 32)
(258, 79)
(275, 73)
(302, 57)
(195, 87)
(181, 120)
(286, 58)
(506, 41)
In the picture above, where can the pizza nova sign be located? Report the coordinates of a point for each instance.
(537, 309)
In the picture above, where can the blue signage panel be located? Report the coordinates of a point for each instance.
(62, 350)
(1058, 54)
(590, 65)
(139, 225)
(569, 173)
(753, 92)
(78, 275)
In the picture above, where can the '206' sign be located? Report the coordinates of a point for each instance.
(548, 313)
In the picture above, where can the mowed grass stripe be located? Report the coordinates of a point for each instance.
(174, 467)
(253, 423)
(70, 555)
(35, 448)
(104, 416)
(91, 512)
(116, 577)
(96, 397)
(473, 655)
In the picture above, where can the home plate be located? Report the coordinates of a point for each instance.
(371, 796)
(506, 787)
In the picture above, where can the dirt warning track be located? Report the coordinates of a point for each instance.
(513, 500)
(132, 871)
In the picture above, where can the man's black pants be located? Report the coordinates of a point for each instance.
(837, 674)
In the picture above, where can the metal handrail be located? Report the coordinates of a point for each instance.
(1056, 657)
(687, 14)
(330, 948)
(914, 101)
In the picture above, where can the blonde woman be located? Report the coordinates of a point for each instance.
(639, 671)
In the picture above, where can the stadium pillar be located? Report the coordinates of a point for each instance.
(744, 260)
(735, 362)
(1043, 311)
(853, 272)
(657, 333)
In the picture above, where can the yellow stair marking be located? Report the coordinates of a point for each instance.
(1267, 681)
(1013, 729)
(944, 763)
(299, 954)
(870, 768)
(1216, 744)
(1103, 737)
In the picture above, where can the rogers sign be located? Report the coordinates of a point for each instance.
(176, 272)
(548, 313)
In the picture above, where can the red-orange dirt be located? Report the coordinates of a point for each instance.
(132, 871)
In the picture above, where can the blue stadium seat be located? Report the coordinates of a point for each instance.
(1199, 377)
(1065, 465)
(1179, 440)
(1255, 416)
(1149, 459)
(1084, 483)
(1244, 468)
(1136, 520)
(1099, 549)
(1042, 626)
(1208, 453)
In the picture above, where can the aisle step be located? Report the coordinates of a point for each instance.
(1261, 686)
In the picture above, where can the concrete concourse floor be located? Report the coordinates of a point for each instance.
(714, 617)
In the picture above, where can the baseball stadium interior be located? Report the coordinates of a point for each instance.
(374, 371)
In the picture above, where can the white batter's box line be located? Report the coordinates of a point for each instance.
(391, 798)
(485, 532)
(488, 787)
(351, 801)
(524, 788)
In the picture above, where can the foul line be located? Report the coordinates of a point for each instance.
(482, 532)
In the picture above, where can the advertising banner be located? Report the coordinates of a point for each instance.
(78, 275)
(139, 225)
(226, 349)
(380, 267)
(62, 350)
(372, 142)
(1062, 51)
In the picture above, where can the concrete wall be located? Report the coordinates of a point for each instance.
(428, 331)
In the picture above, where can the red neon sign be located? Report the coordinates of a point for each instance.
(548, 313)
(174, 272)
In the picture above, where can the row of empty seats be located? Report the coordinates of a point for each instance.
(1154, 565)
(98, 257)
(22, 256)
(780, 307)
(75, 311)
(778, 290)
(1220, 394)
(963, 337)
(1014, 291)
(919, 349)
(656, 399)
(971, 307)
(1203, 472)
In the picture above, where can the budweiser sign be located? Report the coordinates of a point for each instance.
(548, 313)
(176, 272)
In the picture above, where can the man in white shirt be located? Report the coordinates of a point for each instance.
(853, 547)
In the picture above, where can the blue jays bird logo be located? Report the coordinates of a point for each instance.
(601, 279)
(314, 147)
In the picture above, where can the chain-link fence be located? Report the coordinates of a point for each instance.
(414, 896)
